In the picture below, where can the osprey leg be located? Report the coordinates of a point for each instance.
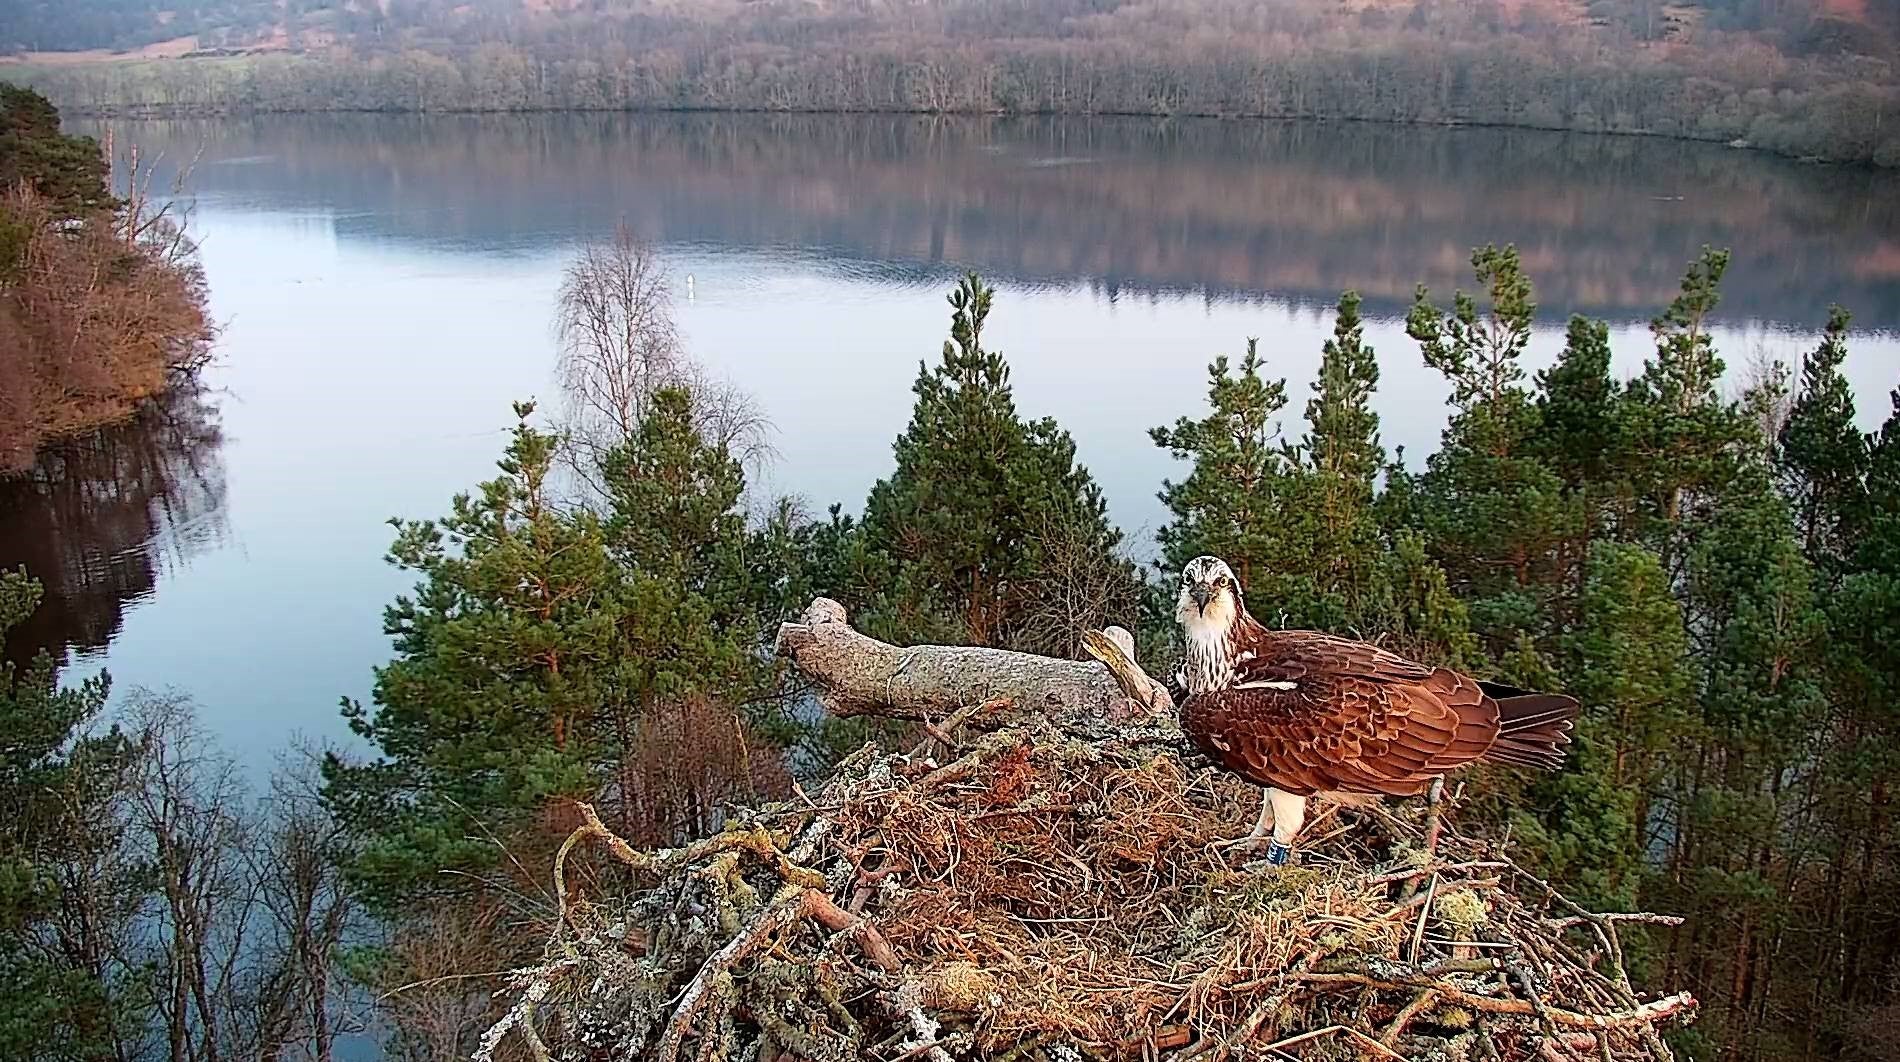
(1261, 827)
(1289, 814)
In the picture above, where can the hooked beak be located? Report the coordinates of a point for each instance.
(1200, 593)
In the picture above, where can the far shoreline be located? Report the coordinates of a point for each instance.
(170, 113)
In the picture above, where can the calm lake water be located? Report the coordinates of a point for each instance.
(387, 285)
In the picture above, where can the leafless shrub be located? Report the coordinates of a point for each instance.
(1079, 586)
(689, 760)
(96, 319)
(438, 979)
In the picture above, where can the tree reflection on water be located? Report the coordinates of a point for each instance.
(99, 517)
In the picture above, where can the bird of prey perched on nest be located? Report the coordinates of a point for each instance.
(1306, 713)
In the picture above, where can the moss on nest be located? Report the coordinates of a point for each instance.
(1037, 894)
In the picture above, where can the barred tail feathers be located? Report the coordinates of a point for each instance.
(1533, 728)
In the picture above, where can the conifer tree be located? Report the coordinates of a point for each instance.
(1860, 893)
(52, 1005)
(981, 498)
(1822, 455)
(1330, 517)
(1756, 627)
(1577, 408)
(1628, 662)
(1694, 442)
(539, 640)
(1578, 438)
(1415, 608)
(1479, 351)
(68, 170)
(505, 656)
(1491, 509)
(1238, 486)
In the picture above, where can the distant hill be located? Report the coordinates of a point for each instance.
(1795, 27)
(1801, 77)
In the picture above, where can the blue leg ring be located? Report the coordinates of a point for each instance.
(1277, 853)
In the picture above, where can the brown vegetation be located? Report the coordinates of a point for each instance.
(1030, 884)
(692, 759)
(98, 314)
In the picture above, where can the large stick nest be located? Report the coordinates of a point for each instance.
(1031, 887)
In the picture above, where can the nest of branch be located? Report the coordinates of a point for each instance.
(1028, 888)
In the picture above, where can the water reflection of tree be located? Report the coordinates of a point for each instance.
(98, 517)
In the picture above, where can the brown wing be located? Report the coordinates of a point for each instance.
(1311, 712)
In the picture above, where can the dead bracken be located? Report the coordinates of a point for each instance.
(1028, 885)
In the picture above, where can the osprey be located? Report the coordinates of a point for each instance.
(1305, 713)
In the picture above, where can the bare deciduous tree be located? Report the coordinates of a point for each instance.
(211, 922)
(302, 994)
(619, 347)
(618, 343)
(185, 807)
(1765, 391)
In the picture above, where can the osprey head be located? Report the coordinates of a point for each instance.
(1210, 595)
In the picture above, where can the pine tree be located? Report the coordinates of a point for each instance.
(1757, 625)
(68, 170)
(542, 638)
(1491, 508)
(1232, 498)
(506, 656)
(676, 529)
(1628, 662)
(1330, 517)
(1578, 438)
(52, 1004)
(1693, 442)
(1415, 609)
(1857, 901)
(1577, 408)
(982, 501)
(1479, 351)
(673, 500)
(1822, 455)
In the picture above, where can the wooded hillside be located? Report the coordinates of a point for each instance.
(1808, 77)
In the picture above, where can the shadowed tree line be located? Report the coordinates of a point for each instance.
(1795, 77)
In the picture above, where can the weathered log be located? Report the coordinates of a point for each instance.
(859, 675)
